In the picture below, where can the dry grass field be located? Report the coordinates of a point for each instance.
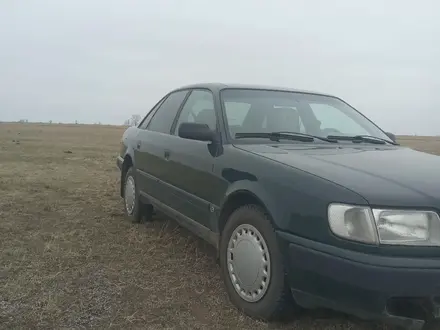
(70, 260)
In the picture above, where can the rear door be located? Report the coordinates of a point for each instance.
(151, 148)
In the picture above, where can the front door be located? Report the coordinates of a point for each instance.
(191, 163)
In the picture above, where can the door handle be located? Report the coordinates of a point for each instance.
(166, 155)
(138, 144)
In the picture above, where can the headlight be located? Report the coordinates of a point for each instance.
(374, 226)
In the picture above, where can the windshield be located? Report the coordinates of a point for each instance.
(264, 111)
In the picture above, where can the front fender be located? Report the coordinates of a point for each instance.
(258, 191)
(296, 201)
(128, 143)
(126, 157)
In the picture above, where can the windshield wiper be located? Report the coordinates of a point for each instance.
(361, 138)
(276, 136)
(322, 138)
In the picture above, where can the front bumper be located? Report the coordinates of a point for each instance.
(403, 291)
(119, 162)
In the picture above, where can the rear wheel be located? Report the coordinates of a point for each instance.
(135, 210)
(252, 265)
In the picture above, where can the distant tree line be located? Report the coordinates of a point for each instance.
(133, 121)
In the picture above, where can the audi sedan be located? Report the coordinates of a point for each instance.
(308, 202)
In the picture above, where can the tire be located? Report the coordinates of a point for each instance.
(134, 209)
(274, 300)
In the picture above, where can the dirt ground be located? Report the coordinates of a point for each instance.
(70, 260)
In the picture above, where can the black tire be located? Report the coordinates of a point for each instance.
(278, 299)
(140, 211)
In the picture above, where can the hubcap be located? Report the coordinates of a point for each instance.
(248, 263)
(130, 195)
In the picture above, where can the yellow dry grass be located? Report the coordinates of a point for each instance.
(70, 260)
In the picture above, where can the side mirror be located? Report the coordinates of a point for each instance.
(196, 131)
(391, 136)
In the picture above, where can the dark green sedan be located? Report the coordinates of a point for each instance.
(308, 202)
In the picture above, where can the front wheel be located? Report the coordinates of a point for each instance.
(135, 210)
(252, 265)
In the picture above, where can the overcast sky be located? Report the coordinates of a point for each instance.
(103, 60)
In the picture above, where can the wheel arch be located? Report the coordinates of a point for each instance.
(238, 196)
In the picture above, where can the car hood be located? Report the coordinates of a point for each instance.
(383, 175)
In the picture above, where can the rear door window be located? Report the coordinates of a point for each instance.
(164, 117)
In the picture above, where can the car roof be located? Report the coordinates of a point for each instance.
(219, 86)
